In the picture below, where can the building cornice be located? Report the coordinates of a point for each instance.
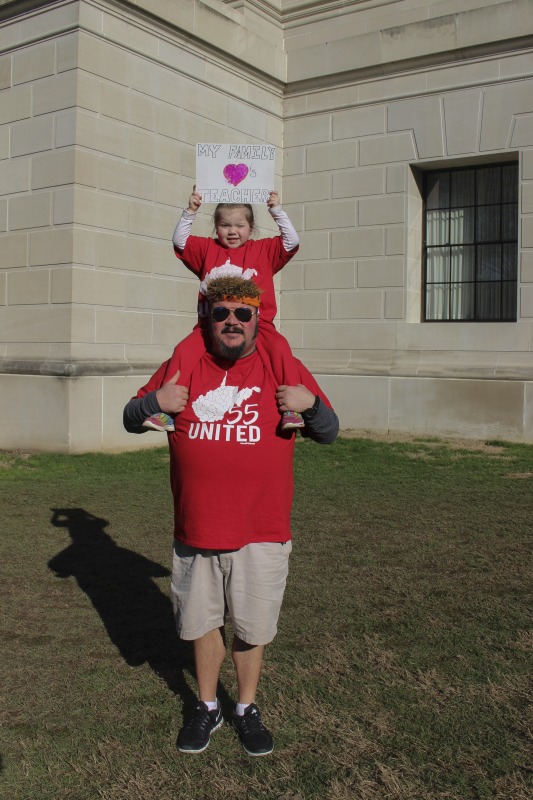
(352, 55)
(294, 12)
(409, 66)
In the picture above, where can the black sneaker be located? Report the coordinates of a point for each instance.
(195, 734)
(255, 738)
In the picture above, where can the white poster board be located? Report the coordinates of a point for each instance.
(235, 173)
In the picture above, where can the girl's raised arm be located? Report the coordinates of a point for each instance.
(182, 230)
(289, 237)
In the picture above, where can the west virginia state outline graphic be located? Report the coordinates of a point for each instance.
(212, 406)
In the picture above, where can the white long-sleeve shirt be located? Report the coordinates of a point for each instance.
(287, 231)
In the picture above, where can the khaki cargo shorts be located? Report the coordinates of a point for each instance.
(248, 584)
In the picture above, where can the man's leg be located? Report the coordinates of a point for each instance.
(248, 659)
(206, 717)
(209, 653)
(255, 737)
(198, 601)
(254, 594)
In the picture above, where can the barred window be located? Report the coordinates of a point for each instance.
(471, 244)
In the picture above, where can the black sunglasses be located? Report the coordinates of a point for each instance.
(220, 313)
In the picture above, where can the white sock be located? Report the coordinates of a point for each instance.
(240, 708)
(212, 705)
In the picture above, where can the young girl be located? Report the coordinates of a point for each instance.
(233, 252)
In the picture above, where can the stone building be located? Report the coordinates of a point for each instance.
(404, 130)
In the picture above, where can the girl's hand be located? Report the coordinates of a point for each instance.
(195, 201)
(273, 200)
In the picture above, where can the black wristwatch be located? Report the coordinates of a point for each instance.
(309, 413)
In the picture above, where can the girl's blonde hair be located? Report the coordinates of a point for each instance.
(248, 212)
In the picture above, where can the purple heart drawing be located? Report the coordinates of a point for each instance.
(235, 173)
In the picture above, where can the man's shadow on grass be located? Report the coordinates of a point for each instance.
(137, 616)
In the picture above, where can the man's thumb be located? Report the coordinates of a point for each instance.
(175, 379)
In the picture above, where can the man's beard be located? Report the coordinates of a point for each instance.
(231, 352)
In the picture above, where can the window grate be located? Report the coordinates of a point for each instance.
(471, 244)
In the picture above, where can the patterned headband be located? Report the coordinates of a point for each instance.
(249, 301)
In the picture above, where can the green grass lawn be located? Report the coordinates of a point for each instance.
(400, 671)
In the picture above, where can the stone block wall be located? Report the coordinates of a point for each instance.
(101, 105)
(370, 105)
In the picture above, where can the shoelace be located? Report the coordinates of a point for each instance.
(199, 718)
(252, 721)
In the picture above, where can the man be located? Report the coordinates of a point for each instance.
(232, 482)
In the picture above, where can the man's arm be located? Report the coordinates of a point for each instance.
(170, 398)
(321, 422)
(137, 410)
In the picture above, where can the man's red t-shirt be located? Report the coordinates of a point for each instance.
(230, 465)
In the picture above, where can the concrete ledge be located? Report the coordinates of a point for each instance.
(75, 369)
(420, 364)
(385, 363)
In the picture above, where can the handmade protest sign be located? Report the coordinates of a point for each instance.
(235, 173)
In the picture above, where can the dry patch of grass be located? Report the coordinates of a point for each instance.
(455, 443)
(401, 670)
